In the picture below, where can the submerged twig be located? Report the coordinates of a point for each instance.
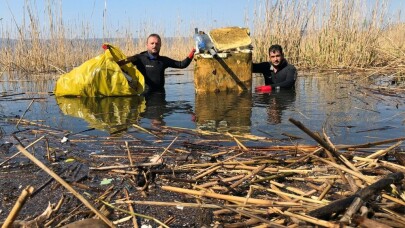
(26, 110)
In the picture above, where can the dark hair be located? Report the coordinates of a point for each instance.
(154, 35)
(276, 48)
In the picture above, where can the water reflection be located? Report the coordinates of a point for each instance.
(158, 108)
(112, 114)
(275, 103)
(335, 102)
(223, 111)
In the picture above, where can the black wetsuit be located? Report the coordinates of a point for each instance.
(153, 68)
(284, 78)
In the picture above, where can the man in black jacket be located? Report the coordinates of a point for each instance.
(152, 65)
(278, 72)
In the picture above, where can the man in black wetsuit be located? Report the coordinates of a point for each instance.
(278, 72)
(152, 65)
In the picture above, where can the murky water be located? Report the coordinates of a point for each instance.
(349, 112)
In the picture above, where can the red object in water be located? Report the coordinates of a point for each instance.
(263, 89)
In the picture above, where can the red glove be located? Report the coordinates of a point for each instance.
(105, 46)
(191, 55)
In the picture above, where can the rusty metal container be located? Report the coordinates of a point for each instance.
(231, 68)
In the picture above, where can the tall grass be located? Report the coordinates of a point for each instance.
(329, 34)
(314, 34)
(34, 46)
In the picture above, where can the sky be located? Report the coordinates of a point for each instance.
(171, 16)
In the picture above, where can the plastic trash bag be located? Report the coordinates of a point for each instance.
(102, 77)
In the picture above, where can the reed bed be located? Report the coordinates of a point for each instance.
(328, 34)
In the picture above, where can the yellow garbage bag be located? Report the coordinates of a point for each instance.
(111, 114)
(102, 77)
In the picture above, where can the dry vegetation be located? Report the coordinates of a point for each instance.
(329, 34)
(216, 178)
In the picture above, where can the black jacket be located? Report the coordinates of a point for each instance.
(284, 78)
(153, 69)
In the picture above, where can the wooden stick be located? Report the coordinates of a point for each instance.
(124, 171)
(369, 160)
(398, 201)
(237, 141)
(366, 145)
(305, 157)
(341, 157)
(398, 217)
(249, 176)
(207, 172)
(131, 209)
(125, 166)
(390, 165)
(19, 152)
(357, 174)
(292, 189)
(26, 110)
(325, 191)
(129, 153)
(220, 196)
(17, 206)
(275, 188)
(144, 130)
(385, 151)
(319, 140)
(195, 205)
(353, 208)
(190, 166)
(340, 172)
(364, 194)
(135, 214)
(167, 148)
(363, 221)
(218, 164)
(209, 184)
(294, 196)
(250, 215)
(66, 185)
(310, 219)
(352, 183)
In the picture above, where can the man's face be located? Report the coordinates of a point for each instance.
(276, 58)
(153, 45)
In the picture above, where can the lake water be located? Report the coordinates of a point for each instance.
(345, 107)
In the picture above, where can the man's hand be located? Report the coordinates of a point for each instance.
(105, 46)
(191, 55)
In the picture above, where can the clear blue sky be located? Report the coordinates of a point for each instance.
(172, 15)
(133, 13)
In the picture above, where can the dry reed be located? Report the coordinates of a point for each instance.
(328, 34)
